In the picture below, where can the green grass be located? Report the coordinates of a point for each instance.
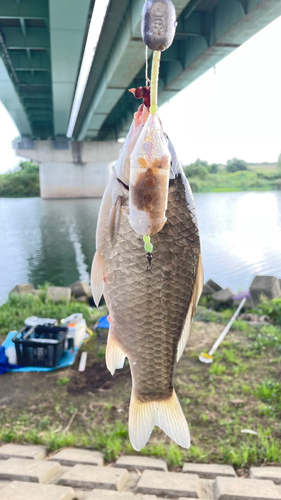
(63, 380)
(271, 308)
(247, 180)
(268, 336)
(240, 390)
(21, 306)
(216, 369)
(270, 392)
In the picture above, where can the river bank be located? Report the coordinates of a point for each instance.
(223, 181)
(25, 181)
(240, 390)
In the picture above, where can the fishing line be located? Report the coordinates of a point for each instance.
(158, 31)
(147, 81)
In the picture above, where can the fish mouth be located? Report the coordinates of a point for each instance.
(171, 182)
(123, 184)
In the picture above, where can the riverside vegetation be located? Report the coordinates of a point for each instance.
(240, 390)
(21, 183)
(236, 175)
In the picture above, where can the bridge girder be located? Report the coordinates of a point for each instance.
(25, 51)
(29, 9)
(207, 31)
(42, 44)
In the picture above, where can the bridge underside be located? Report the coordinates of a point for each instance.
(42, 44)
(207, 31)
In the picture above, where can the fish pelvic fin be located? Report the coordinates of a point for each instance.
(114, 356)
(166, 414)
(198, 287)
(97, 278)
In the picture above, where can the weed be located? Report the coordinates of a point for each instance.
(226, 314)
(207, 395)
(112, 442)
(271, 308)
(230, 355)
(197, 454)
(57, 409)
(72, 409)
(156, 449)
(20, 306)
(43, 424)
(23, 419)
(63, 381)
(240, 325)
(246, 389)
(216, 369)
(174, 455)
(270, 392)
(267, 336)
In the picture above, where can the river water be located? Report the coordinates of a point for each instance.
(54, 240)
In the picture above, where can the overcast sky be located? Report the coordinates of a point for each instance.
(232, 111)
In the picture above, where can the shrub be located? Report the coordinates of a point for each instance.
(23, 182)
(279, 161)
(196, 170)
(234, 165)
(213, 169)
(271, 308)
(194, 186)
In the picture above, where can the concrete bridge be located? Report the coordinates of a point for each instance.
(66, 66)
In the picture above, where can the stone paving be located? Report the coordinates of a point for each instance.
(27, 473)
(72, 456)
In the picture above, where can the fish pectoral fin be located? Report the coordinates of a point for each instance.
(198, 287)
(97, 278)
(166, 414)
(114, 219)
(115, 356)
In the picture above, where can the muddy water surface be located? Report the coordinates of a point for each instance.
(54, 240)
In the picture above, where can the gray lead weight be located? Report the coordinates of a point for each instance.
(158, 24)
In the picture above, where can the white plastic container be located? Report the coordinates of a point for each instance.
(77, 331)
(149, 179)
(76, 328)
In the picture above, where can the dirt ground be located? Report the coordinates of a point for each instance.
(66, 407)
(19, 390)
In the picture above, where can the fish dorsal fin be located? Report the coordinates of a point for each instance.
(114, 219)
(97, 278)
(198, 286)
(166, 414)
(115, 356)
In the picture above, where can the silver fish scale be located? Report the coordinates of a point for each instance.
(148, 308)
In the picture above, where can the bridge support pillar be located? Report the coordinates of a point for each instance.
(80, 171)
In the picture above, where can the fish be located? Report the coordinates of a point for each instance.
(150, 311)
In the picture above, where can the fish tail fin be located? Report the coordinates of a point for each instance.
(166, 414)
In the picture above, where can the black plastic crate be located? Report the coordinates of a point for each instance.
(40, 346)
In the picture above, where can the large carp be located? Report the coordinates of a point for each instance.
(150, 311)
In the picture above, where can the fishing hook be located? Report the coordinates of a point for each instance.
(149, 258)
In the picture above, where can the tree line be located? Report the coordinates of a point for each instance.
(22, 182)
